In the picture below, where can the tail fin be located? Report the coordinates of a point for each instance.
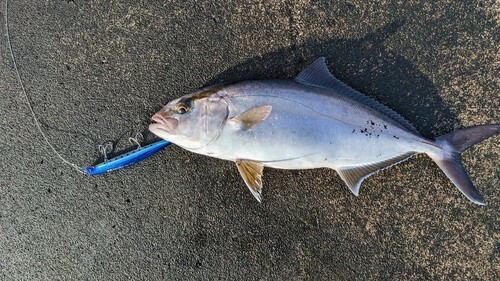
(449, 160)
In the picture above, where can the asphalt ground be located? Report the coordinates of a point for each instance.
(96, 71)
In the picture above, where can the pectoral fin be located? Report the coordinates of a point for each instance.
(252, 117)
(251, 172)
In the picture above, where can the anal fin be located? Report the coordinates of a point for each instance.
(251, 172)
(353, 176)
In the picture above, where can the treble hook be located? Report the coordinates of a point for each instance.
(135, 140)
(104, 149)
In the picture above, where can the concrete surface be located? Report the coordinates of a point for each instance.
(95, 70)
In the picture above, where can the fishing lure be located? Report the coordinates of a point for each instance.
(126, 159)
(116, 163)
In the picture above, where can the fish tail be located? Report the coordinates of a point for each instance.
(449, 161)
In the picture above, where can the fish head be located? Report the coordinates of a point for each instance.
(194, 120)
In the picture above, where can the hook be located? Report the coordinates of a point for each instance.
(104, 149)
(135, 140)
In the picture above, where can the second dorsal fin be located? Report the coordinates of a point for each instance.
(317, 74)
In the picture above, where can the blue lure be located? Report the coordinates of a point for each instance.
(126, 159)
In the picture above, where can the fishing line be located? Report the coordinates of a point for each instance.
(116, 163)
(23, 90)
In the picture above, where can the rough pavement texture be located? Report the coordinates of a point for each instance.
(95, 70)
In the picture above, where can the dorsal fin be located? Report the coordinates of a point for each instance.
(353, 176)
(317, 74)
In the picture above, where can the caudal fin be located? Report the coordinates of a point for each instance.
(449, 160)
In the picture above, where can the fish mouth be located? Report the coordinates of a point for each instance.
(163, 123)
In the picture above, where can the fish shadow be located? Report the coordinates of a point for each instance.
(365, 64)
(369, 67)
(301, 223)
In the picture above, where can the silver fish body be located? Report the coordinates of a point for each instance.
(308, 127)
(312, 121)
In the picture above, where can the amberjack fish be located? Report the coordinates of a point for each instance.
(312, 121)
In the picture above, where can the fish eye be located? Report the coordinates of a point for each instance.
(181, 108)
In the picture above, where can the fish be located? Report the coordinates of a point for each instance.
(311, 121)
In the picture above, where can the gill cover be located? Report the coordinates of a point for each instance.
(214, 113)
(201, 117)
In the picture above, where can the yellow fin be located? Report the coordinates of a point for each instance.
(253, 117)
(251, 172)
